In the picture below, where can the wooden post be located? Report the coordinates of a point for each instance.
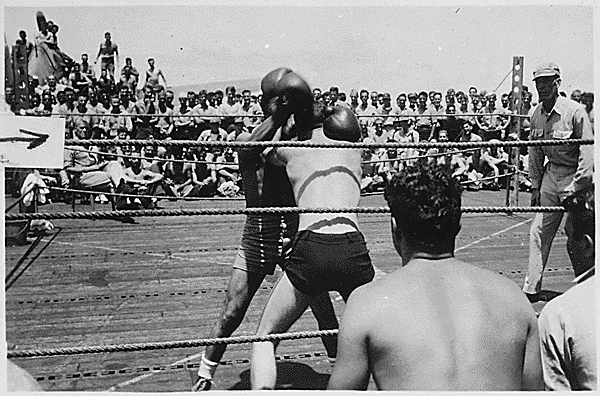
(516, 94)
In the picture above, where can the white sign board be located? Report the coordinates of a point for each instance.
(31, 142)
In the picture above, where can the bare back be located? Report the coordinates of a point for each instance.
(447, 325)
(324, 177)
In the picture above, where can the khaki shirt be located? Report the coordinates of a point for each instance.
(567, 120)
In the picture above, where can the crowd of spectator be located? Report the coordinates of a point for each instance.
(124, 107)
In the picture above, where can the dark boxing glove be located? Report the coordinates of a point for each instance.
(269, 83)
(294, 90)
(341, 124)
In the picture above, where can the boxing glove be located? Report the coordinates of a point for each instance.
(268, 85)
(294, 91)
(341, 124)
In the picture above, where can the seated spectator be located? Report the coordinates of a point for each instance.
(52, 85)
(164, 125)
(451, 124)
(378, 134)
(78, 80)
(142, 181)
(372, 170)
(433, 324)
(568, 322)
(87, 69)
(204, 115)
(214, 133)
(401, 135)
(106, 83)
(82, 118)
(201, 177)
(153, 76)
(145, 125)
(116, 120)
(250, 113)
(493, 161)
(227, 166)
(128, 79)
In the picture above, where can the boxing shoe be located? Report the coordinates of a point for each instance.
(341, 124)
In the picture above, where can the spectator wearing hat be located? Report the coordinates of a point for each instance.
(412, 100)
(365, 109)
(556, 171)
(567, 324)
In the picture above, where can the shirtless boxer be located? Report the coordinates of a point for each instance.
(329, 252)
(436, 324)
(262, 246)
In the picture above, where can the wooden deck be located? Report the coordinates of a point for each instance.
(163, 279)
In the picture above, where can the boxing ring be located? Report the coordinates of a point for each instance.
(97, 299)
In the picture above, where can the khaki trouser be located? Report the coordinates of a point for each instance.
(545, 225)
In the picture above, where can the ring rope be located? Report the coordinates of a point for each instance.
(103, 153)
(250, 211)
(340, 144)
(149, 346)
(168, 197)
(155, 115)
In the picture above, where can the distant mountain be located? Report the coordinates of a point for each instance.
(253, 84)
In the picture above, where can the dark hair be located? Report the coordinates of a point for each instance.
(363, 91)
(423, 93)
(425, 201)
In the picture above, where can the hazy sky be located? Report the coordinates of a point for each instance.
(384, 48)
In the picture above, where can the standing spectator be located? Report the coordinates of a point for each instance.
(569, 168)
(587, 99)
(22, 40)
(134, 71)
(153, 76)
(204, 114)
(423, 124)
(450, 97)
(576, 96)
(228, 109)
(404, 120)
(412, 100)
(436, 109)
(492, 126)
(385, 111)
(82, 118)
(87, 69)
(505, 100)
(182, 122)
(109, 50)
(568, 322)
(353, 100)
(34, 85)
(334, 97)
(374, 99)
(365, 109)
(169, 97)
(317, 93)
(379, 134)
